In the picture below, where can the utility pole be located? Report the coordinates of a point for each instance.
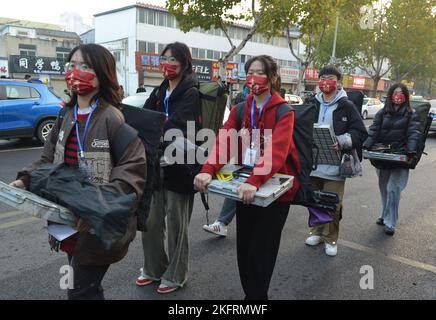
(333, 57)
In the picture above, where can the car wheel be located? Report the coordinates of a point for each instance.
(44, 130)
(365, 115)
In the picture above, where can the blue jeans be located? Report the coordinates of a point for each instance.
(391, 182)
(228, 211)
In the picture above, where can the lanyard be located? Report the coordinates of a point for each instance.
(166, 104)
(79, 142)
(253, 126)
(325, 109)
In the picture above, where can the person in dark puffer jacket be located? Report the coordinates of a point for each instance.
(396, 125)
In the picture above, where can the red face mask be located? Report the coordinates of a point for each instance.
(80, 82)
(259, 85)
(328, 86)
(169, 71)
(398, 98)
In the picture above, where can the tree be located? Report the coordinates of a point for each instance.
(311, 18)
(219, 14)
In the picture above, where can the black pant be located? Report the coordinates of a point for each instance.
(87, 281)
(258, 240)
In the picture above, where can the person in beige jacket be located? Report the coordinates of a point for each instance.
(83, 140)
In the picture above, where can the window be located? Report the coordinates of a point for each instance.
(150, 17)
(216, 55)
(161, 19)
(160, 47)
(117, 56)
(151, 47)
(170, 21)
(218, 32)
(62, 53)
(201, 53)
(141, 16)
(27, 50)
(21, 92)
(232, 33)
(142, 46)
(23, 33)
(195, 52)
(210, 54)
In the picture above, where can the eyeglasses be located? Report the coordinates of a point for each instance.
(165, 59)
(70, 66)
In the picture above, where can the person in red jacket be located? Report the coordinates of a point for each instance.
(258, 229)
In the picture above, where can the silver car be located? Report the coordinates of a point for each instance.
(433, 113)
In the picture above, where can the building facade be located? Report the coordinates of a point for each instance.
(36, 51)
(142, 31)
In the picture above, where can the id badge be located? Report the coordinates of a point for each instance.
(250, 157)
(86, 168)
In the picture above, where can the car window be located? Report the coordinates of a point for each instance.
(18, 92)
(34, 93)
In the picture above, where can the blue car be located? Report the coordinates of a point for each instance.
(27, 109)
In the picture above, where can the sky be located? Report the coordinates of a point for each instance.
(49, 11)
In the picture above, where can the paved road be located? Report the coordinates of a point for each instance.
(404, 265)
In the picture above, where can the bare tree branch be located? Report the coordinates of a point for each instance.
(224, 29)
(288, 36)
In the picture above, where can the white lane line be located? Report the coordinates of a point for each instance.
(24, 149)
(17, 223)
(9, 214)
(394, 257)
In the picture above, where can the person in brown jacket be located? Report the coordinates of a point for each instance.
(83, 140)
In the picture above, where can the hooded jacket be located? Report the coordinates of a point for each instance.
(184, 106)
(281, 144)
(342, 114)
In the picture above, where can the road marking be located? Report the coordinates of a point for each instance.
(17, 223)
(394, 257)
(9, 214)
(409, 262)
(24, 149)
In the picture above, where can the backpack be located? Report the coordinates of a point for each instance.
(148, 126)
(422, 110)
(213, 101)
(305, 118)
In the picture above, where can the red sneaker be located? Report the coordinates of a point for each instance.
(166, 289)
(142, 280)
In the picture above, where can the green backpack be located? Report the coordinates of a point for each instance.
(213, 101)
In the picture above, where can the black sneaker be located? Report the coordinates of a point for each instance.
(389, 231)
(380, 222)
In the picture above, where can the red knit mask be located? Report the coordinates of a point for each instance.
(257, 84)
(327, 86)
(169, 71)
(398, 98)
(80, 82)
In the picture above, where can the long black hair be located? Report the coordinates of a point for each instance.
(103, 63)
(389, 106)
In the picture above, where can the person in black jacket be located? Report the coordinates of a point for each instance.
(178, 97)
(397, 126)
(341, 114)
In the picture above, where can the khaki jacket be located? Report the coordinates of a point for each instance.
(127, 176)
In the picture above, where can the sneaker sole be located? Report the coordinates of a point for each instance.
(215, 233)
(143, 283)
(167, 290)
(313, 245)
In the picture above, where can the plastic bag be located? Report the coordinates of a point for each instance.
(350, 165)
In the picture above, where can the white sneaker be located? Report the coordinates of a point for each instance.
(217, 228)
(313, 240)
(331, 249)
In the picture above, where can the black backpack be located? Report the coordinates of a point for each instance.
(422, 110)
(148, 126)
(305, 118)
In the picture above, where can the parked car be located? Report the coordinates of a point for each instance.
(27, 109)
(293, 99)
(137, 100)
(433, 113)
(370, 107)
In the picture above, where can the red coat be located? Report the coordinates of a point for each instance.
(282, 145)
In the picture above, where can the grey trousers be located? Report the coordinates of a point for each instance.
(168, 266)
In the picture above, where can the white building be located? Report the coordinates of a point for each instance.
(138, 33)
